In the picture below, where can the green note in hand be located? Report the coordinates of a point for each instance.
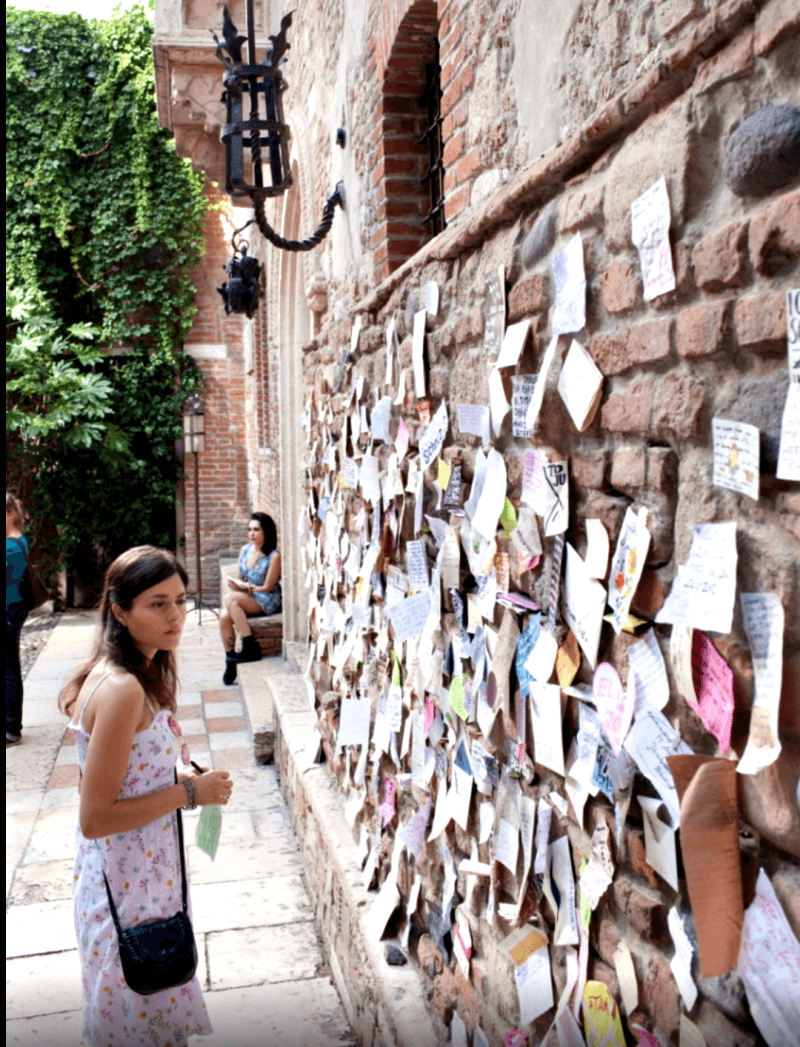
(209, 827)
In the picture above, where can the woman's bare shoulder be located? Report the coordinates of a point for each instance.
(110, 687)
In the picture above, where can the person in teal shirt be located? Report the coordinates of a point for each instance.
(16, 613)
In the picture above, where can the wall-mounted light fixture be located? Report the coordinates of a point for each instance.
(257, 147)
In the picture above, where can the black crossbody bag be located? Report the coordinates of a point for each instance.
(158, 954)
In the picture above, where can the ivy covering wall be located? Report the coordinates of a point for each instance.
(104, 223)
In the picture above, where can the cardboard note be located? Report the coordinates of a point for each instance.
(713, 681)
(580, 385)
(763, 623)
(736, 452)
(627, 565)
(709, 822)
(769, 966)
(703, 592)
(650, 218)
(570, 309)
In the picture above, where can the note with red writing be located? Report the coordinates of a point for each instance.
(713, 682)
(613, 704)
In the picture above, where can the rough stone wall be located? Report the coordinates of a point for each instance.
(713, 347)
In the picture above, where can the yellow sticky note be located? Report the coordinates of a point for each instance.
(601, 1017)
(568, 658)
(443, 477)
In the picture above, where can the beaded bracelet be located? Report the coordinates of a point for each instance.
(191, 792)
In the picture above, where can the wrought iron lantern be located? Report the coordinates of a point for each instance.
(257, 147)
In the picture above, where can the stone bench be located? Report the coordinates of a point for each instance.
(267, 629)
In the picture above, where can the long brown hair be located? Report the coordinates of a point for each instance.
(131, 573)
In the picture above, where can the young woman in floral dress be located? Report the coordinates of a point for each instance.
(122, 703)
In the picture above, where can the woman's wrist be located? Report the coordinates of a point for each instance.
(191, 794)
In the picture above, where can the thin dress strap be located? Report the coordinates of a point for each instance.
(79, 724)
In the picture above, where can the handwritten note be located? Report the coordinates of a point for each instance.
(650, 741)
(417, 565)
(713, 680)
(736, 451)
(763, 623)
(789, 456)
(523, 386)
(408, 616)
(353, 722)
(430, 443)
(614, 706)
(627, 565)
(474, 419)
(584, 603)
(570, 279)
(702, 594)
(556, 498)
(647, 662)
(650, 218)
(769, 966)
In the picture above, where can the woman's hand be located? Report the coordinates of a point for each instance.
(213, 787)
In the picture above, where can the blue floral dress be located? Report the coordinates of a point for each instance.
(270, 603)
(144, 873)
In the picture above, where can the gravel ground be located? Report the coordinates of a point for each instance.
(35, 634)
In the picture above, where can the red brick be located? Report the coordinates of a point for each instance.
(703, 330)
(628, 468)
(650, 341)
(628, 410)
(679, 407)
(774, 22)
(760, 322)
(734, 60)
(582, 208)
(661, 997)
(469, 166)
(605, 936)
(662, 470)
(775, 235)
(637, 856)
(588, 468)
(457, 202)
(528, 296)
(609, 352)
(453, 149)
(621, 287)
(719, 259)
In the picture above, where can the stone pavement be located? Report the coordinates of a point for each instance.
(261, 966)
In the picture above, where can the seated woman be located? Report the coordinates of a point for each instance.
(257, 590)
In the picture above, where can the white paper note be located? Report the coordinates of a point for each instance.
(650, 741)
(789, 456)
(497, 400)
(474, 419)
(769, 966)
(627, 565)
(650, 218)
(492, 497)
(430, 442)
(534, 985)
(545, 701)
(541, 383)
(736, 451)
(647, 662)
(764, 623)
(570, 310)
(418, 353)
(580, 385)
(597, 548)
(409, 615)
(659, 841)
(556, 498)
(513, 343)
(566, 929)
(432, 298)
(583, 605)
(523, 387)
(703, 592)
(681, 963)
(353, 722)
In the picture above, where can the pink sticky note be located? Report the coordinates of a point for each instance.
(613, 704)
(401, 440)
(646, 1039)
(533, 482)
(430, 713)
(713, 682)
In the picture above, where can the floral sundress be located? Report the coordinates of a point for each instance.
(271, 602)
(144, 873)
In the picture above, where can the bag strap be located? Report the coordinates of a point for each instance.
(111, 905)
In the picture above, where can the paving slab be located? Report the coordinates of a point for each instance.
(42, 882)
(48, 1030)
(43, 984)
(261, 955)
(269, 902)
(44, 927)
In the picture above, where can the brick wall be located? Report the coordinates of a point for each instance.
(715, 346)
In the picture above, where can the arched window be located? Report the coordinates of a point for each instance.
(409, 170)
